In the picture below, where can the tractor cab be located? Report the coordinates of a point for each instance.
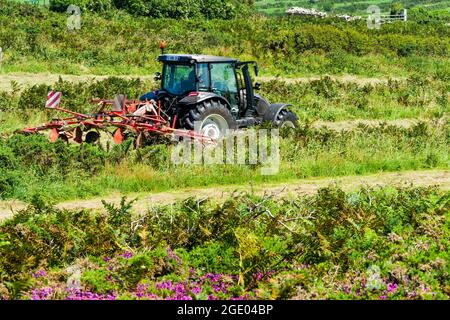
(184, 75)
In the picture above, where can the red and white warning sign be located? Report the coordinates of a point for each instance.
(53, 99)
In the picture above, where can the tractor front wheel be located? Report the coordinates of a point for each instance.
(286, 119)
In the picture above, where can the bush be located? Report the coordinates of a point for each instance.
(89, 5)
(248, 247)
(176, 9)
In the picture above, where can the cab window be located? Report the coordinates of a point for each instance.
(203, 77)
(223, 80)
(179, 78)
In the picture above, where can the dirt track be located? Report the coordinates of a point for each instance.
(352, 124)
(343, 78)
(24, 79)
(439, 178)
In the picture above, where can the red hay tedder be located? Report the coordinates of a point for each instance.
(118, 118)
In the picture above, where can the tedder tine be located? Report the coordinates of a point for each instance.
(54, 135)
(78, 135)
(118, 136)
(139, 140)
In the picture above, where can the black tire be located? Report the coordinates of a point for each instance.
(63, 138)
(206, 110)
(92, 137)
(286, 118)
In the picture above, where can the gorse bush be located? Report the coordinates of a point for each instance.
(76, 96)
(84, 5)
(28, 160)
(177, 9)
(247, 247)
(330, 99)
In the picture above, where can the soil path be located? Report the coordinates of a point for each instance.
(24, 79)
(347, 78)
(352, 124)
(440, 178)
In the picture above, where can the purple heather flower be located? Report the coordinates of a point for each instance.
(258, 276)
(392, 287)
(235, 277)
(383, 297)
(164, 285)
(363, 285)
(424, 288)
(106, 259)
(76, 294)
(127, 255)
(237, 298)
(173, 255)
(40, 273)
(196, 290)
(179, 288)
(41, 294)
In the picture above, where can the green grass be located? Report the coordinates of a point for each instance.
(61, 172)
(69, 172)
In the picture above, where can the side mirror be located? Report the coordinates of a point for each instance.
(157, 76)
(256, 70)
(257, 86)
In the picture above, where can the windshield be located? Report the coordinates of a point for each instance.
(179, 78)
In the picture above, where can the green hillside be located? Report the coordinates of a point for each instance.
(278, 7)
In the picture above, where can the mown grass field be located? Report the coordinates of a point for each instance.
(389, 242)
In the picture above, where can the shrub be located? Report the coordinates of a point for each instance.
(176, 9)
(260, 248)
(90, 5)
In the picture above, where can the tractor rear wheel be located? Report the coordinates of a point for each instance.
(210, 118)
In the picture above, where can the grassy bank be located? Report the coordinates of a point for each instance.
(35, 39)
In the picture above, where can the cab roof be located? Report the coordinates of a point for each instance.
(186, 58)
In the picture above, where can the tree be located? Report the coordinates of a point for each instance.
(327, 6)
(396, 8)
